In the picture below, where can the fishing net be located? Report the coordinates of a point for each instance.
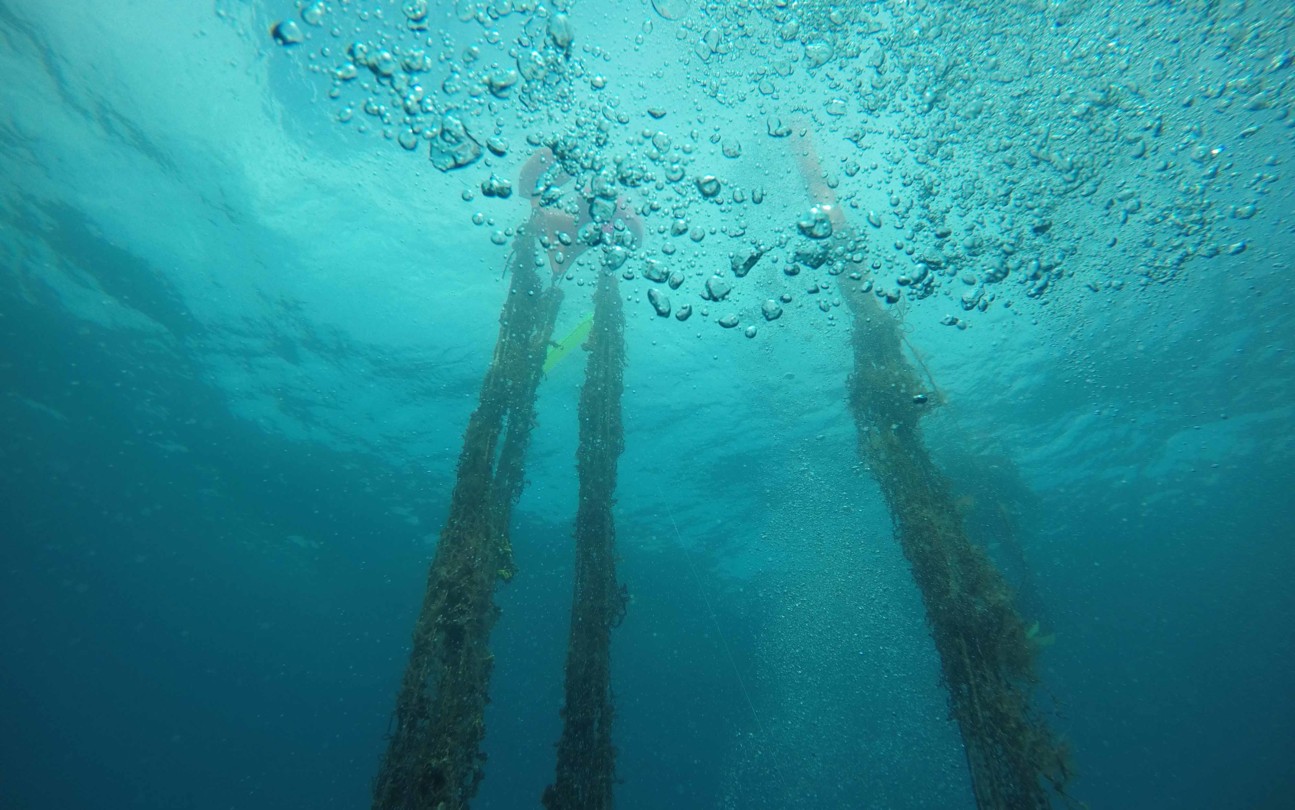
(986, 654)
(433, 759)
(586, 757)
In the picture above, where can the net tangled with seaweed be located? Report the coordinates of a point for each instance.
(586, 758)
(434, 759)
(987, 659)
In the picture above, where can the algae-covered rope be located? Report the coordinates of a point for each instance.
(586, 758)
(434, 759)
(1011, 754)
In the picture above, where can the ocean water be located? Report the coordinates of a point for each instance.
(248, 299)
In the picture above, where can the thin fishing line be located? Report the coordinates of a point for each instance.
(710, 611)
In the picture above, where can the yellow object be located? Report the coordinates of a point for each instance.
(1044, 640)
(563, 347)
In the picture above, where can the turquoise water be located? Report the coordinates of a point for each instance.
(243, 325)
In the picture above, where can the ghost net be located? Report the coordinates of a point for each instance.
(986, 655)
(586, 758)
(433, 759)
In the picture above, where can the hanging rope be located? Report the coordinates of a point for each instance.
(433, 759)
(586, 758)
(986, 658)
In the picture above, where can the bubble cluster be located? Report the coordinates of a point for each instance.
(966, 158)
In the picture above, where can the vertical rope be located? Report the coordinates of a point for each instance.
(586, 758)
(986, 658)
(433, 759)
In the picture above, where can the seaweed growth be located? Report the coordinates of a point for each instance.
(433, 759)
(586, 758)
(984, 646)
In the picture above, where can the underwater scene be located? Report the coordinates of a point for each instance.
(659, 404)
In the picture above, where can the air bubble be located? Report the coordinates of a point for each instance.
(816, 224)
(671, 9)
(660, 302)
(452, 146)
(287, 32)
(313, 14)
